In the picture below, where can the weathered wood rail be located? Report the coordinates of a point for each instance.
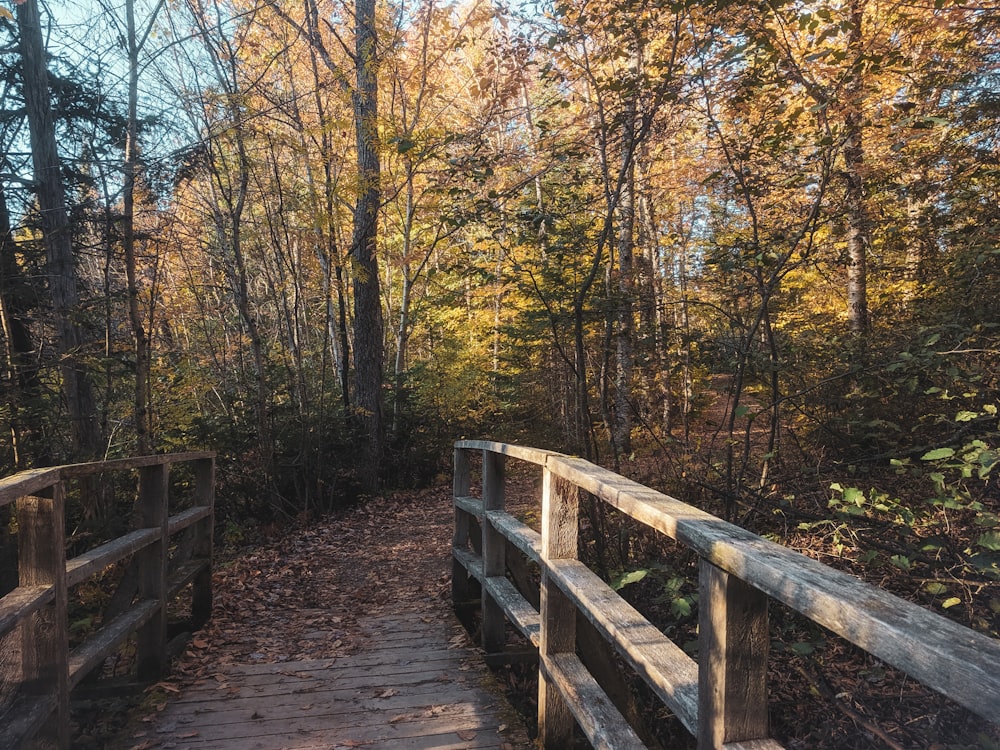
(722, 698)
(37, 608)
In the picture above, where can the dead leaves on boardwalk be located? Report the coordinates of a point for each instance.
(299, 596)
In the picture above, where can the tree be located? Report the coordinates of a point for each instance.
(369, 343)
(57, 232)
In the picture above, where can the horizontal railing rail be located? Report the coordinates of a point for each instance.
(35, 613)
(721, 698)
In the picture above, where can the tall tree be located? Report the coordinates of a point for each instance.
(368, 332)
(61, 261)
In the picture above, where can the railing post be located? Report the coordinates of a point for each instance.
(560, 517)
(461, 586)
(201, 586)
(494, 548)
(41, 531)
(732, 664)
(151, 638)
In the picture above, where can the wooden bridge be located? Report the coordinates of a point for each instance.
(410, 682)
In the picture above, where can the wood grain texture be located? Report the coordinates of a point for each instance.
(97, 559)
(44, 636)
(560, 519)
(411, 687)
(603, 724)
(672, 674)
(494, 551)
(732, 669)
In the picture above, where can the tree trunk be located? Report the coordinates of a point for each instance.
(60, 260)
(140, 337)
(22, 367)
(857, 217)
(368, 336)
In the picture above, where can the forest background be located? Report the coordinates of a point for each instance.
(327, 239)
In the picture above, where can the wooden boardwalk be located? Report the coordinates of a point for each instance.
(418, 686)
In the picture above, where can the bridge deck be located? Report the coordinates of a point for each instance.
(415, 686)
(340, 636)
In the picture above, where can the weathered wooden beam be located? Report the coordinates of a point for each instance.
(25, 718)
(950, 658)
(531, 455)
(23, 601)
(93, 561)
(461, 589)
(517, 609)
(151, 638)
(204, 541)
(672, 674)
(519, 534)
(560, 516)
(733, 646)
(471, 505)
(26, 483)
(494, 549)
(186, 518)
(44, 633)
(603, 724)
(74, 471)
(92, 652)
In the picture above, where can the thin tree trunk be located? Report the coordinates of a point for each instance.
(140, 337)
(857, 218)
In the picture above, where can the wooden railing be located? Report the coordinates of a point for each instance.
(34, 615)
(721, 698)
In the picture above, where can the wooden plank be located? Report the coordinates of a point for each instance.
(494, 551)
(151, 637)
(946, 656)
(672, 674)
(18, 604)
(469, 561)
(733, 643)
(603, 724)
(471, 505)
(44, 637)
(204, 542)
(520, 535)
(462, 587)
(422, 693)
(93, 561)
(531, 455)
(183, 575)
(74, 471)
(180, 521)
(517, 609)
(101, 644)
(24, 719)
(28, 482)
(560, 518)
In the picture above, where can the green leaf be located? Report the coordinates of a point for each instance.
(966, 416)
(951, 602)
(625, 579)
(802, 649)
(937, 454)
(900, 561)
(854, 495)
(990, 541)
(934, 587)
(680, 607)
(742, 411)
